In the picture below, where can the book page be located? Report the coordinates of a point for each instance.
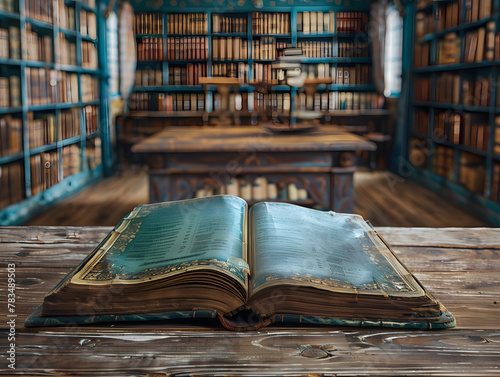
(327, 250)
(158, 240)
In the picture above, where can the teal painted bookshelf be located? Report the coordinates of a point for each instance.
(241, 24)
(452, 130)
(55, 122)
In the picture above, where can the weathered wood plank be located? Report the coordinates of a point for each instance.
(52, 234)
(487, 238)
(457, 353)
(248, 139)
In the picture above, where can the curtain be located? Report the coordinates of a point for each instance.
(376, 31)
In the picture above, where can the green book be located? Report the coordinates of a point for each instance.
(214, 257)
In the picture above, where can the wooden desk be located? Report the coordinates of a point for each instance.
(461, 267)
(184, 160)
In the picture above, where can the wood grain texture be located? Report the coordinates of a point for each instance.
(248, 139)
(461, 267)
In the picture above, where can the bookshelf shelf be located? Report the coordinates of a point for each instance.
(464, 148)
(456, 67)
(441, 105)
(39, 23)
(149, 35)
(43, 148)
(11, 158)
(73, 140)
(464, 26)
(10, 110)
(52, 136)
(11, 15)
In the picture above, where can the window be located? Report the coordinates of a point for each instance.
(112, 45)
(393, 52)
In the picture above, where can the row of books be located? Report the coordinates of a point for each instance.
(226, 24)
(44, 168)
(10, 43)
(64, 16)
(91, 118)
(187, 23)
(11, 183)
(443, 162)
(71, 160)
(480, 44)
(471, 130)
(279, 102)
(472, 172)
(421, 55)
(46, 85)
(150, 49)
(93, 152)
(38, 48)
(150, 77)
(41, 129)
(230, 48)
(421, 121)
(316, 49)
(89, 55)
(351, 49)
(10, 91)
(422, 88)
(89, 87)
(166, 102)
(351, 22)
(316, 22)
(148, 23)
(45, 128)
(449, 15)
(187, 48)
(188, 75)
(236, 70)
(11, 135)
(88, 24)
(66, 53)
(264, 48)
(270, 23)
(7, 5)
(452, 88)
(69, 123)
(340, 101)
(258, 189)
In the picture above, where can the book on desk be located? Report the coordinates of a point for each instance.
(213, 257)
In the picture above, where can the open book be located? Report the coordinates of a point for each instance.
(212, 257)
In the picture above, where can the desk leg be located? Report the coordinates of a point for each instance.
(342, 194)
(158, 188)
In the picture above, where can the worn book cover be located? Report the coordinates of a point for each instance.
(212, 257)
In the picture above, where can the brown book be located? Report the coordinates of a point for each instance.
(489, 52)
(481, 39)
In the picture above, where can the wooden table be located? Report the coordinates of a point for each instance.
(460, 266)
(184, 160)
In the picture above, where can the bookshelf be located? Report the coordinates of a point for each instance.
(51, 139)
(454, 132)
(179, 45)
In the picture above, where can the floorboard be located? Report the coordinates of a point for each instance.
(381, 197)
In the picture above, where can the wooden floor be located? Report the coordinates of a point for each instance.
(381, 197)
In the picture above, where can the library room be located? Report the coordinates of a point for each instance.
(151, 151)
